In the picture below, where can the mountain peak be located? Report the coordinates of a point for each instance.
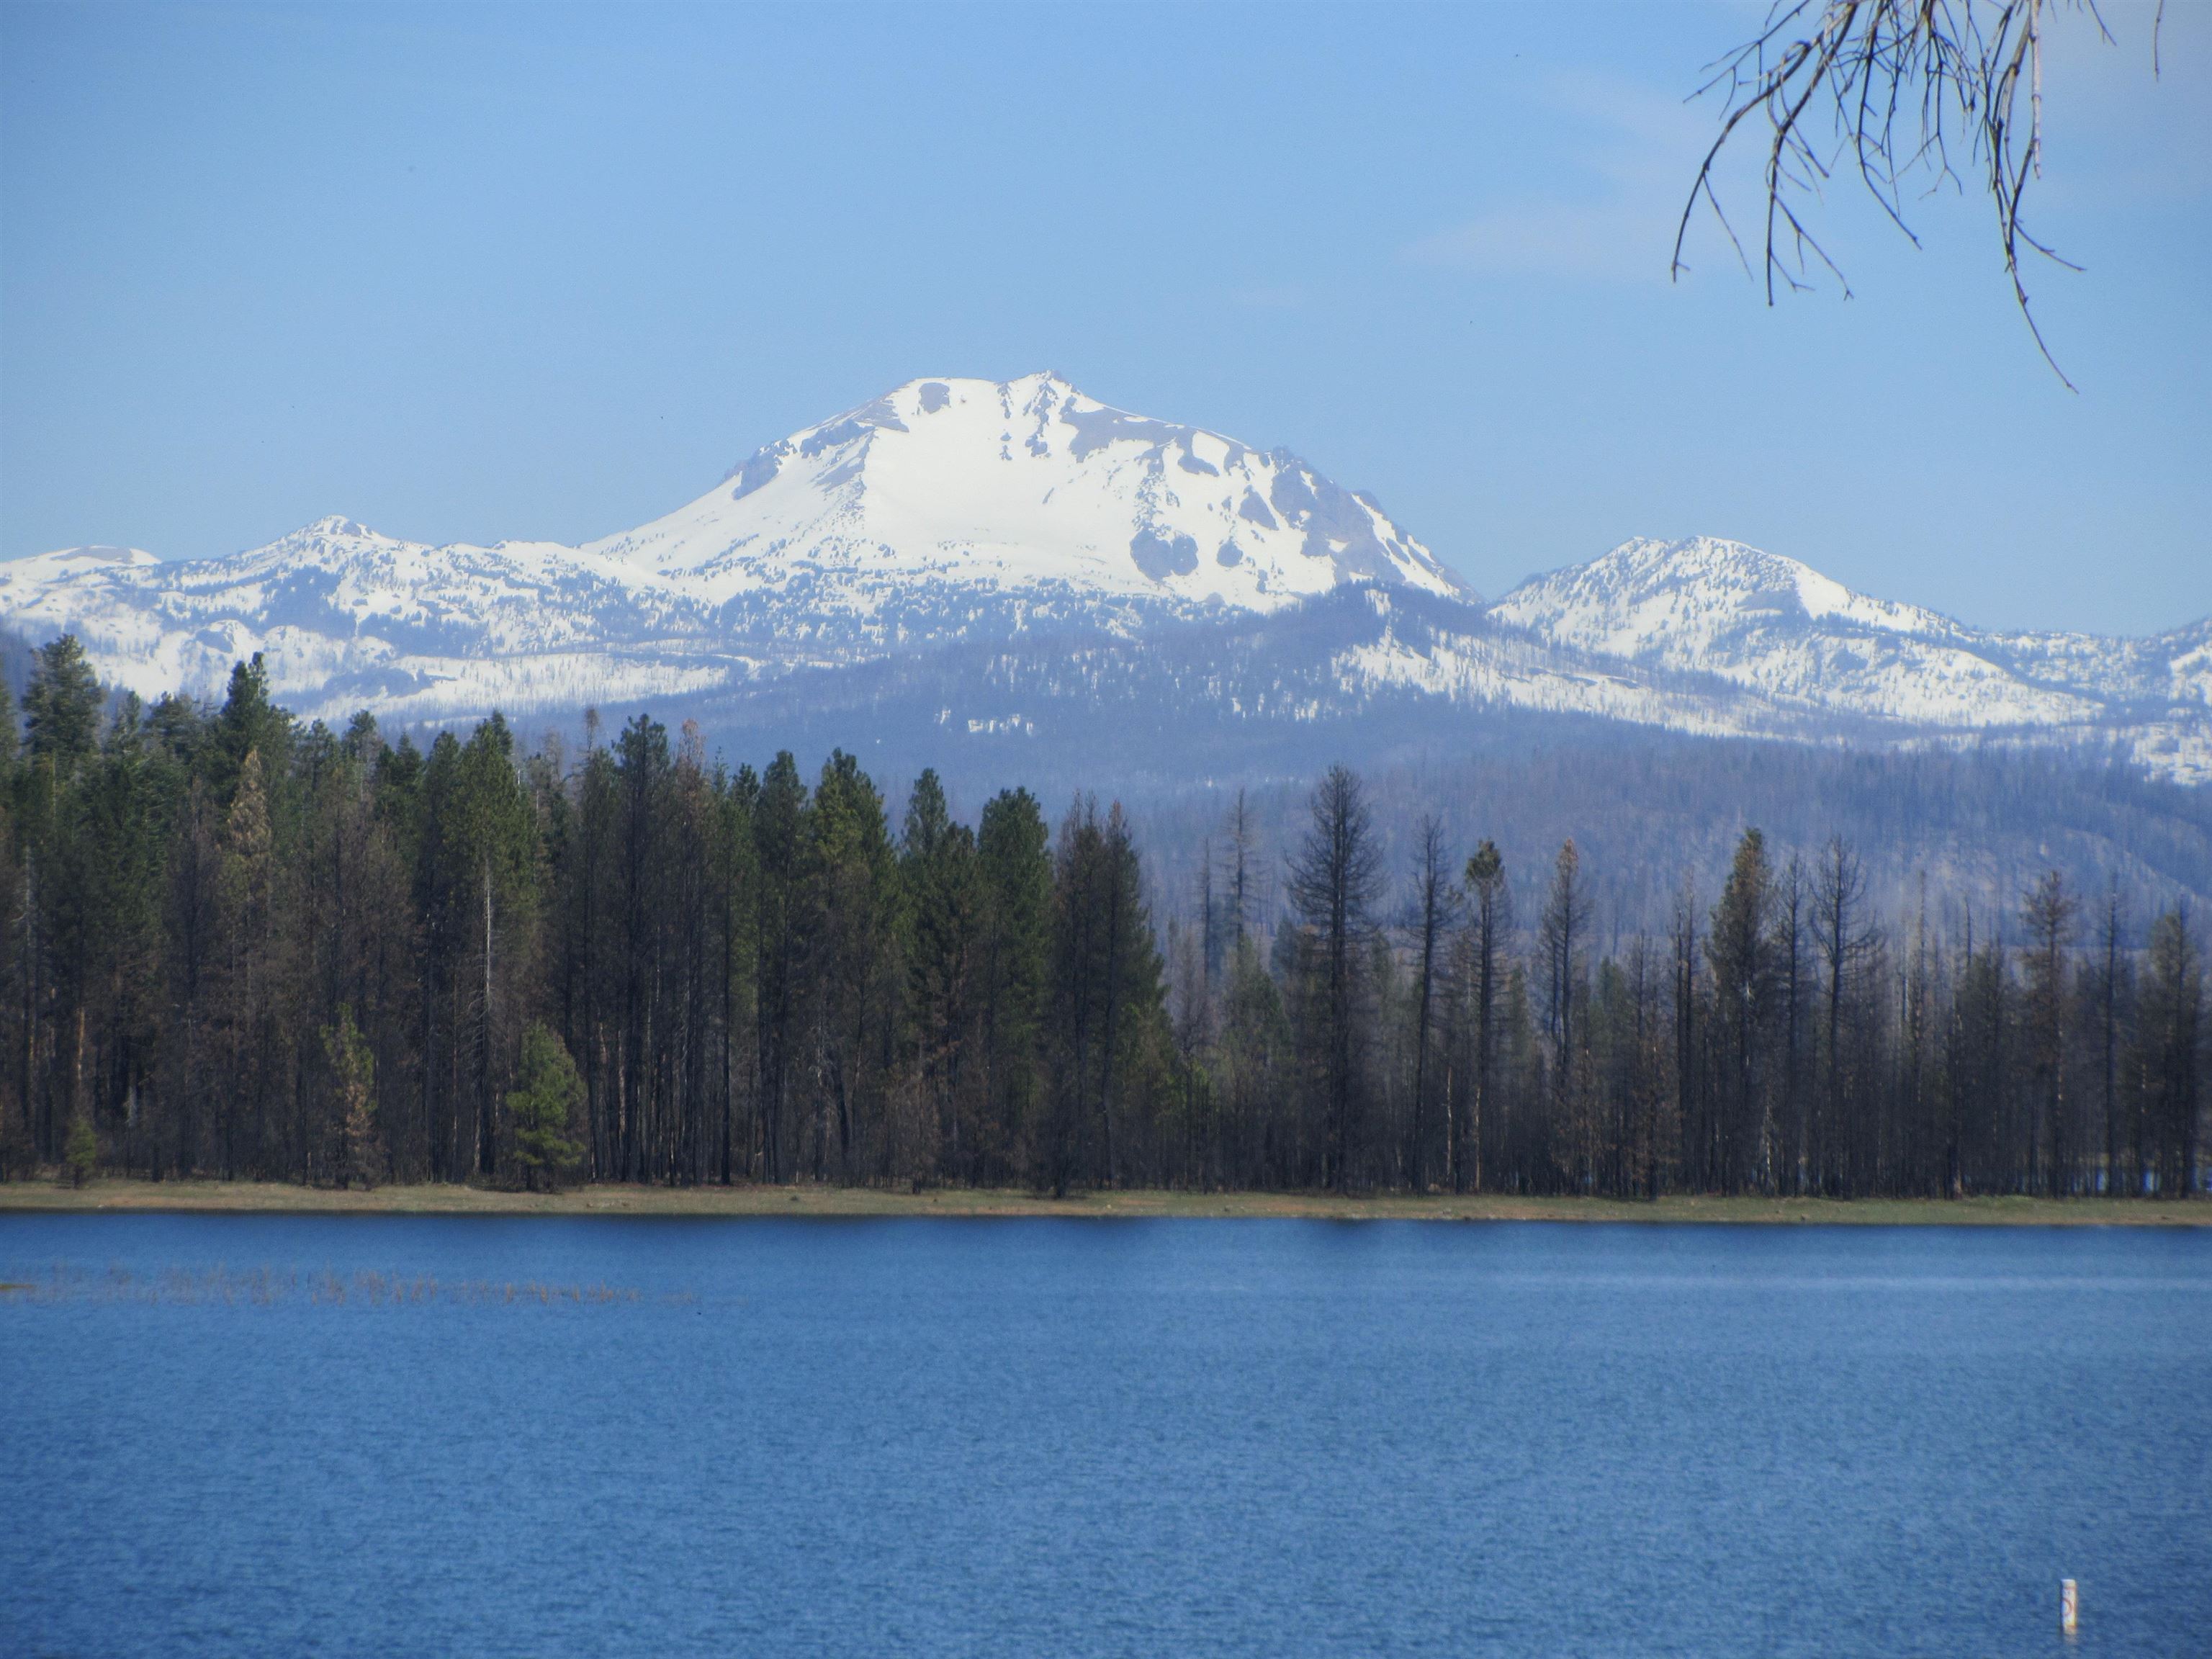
(1774, 625)
(1716, 561)
(332, 532)
(1648, 588)
(896, 410)
(1031, 486)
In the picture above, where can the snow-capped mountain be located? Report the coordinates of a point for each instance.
(1028, 490)
(945, 511)
(1779, 627)
(985, 558)
(345, 615)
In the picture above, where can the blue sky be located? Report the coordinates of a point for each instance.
(469, 273)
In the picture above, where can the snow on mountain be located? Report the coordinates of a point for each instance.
(954, 517)
(1781, 628)
(1023, 488)
(346, 617)
(1459, 658)
(945, 510)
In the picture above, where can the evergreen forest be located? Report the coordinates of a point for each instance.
(239, 946)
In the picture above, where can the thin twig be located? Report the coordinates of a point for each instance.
(1973, 61)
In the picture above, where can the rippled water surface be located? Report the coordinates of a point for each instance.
(242, 1436)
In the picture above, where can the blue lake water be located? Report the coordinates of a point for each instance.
(1049, 1437)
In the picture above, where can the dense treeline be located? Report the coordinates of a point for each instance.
(236, 946)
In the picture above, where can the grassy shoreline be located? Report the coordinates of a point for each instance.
(237, 1197)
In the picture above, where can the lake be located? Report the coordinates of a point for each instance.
(279, 1435)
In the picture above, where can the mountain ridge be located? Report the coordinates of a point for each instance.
(965, 516)
(1772, 623)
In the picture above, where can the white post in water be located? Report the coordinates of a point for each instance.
(2069, 1606)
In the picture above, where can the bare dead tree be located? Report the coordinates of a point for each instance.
(1887, 88)
(1434, 902)
(1334, 881)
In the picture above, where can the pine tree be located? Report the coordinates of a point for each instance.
(1563, 934)
(2048, 912)
(1686, 1018)
(122, 804)
(2109, 991)
(1490, 922)
(7, 741)
(1789, 1131)
(944, 900)
(1334, 881)
(587, 871)
(61, 707)
(851, 897)
(1521, 1091)
(779, 838)
(1256, 1056)
(494, 870)
(2170, 1043)
(1739, 948)
(1845, 943)
(1978, 1066)
(544, 1109)
(248, 723)
(1014, 865)
(1436, 903)
(737, 926)
(360, 1159)
(81, 1156)
(249, 943)
(1106, 1007)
